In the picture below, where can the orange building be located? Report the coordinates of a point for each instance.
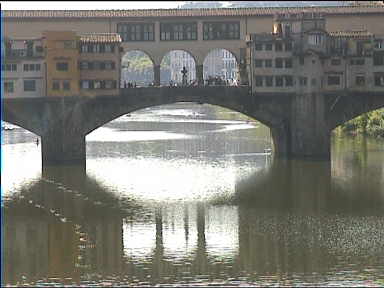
(62, 56)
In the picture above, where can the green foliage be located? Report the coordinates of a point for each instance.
(371, 124)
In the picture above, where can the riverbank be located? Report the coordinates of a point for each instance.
(370, 124)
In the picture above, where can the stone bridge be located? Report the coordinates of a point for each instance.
(301, 124)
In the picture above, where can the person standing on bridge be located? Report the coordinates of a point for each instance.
(184, 79)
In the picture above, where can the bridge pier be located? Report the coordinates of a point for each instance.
(156, 75)
(306, 133)
(60, 148)
(199, 74)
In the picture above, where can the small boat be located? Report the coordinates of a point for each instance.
(7, 128)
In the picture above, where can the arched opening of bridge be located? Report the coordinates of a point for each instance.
(21, 156)
(136, 69)
(172, 69)
(178, 151)
(365, 128)
(220, 67)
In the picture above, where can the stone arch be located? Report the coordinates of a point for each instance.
(345, 108)
(221, 62)
(178, 60)
(142, 78)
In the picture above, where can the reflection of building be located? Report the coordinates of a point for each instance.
(300, 55)
(23, 68)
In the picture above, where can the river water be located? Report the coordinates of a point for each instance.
(187, 194)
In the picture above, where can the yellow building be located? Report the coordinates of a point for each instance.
(62, 56)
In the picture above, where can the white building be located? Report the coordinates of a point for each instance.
(23, 68)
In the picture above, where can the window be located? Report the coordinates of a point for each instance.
(178, 31)
(360, 80)
(259, 81)
(268, 46)
(258, 46)
(278, 46)
(301, 59)
(29, 85)
(303, 81)
(97, 84)
(55, 85)
(258, 63)
(221, 30)
(288, 81)
(268, 62)
(8, 87)
(379, 44)
(313, 81)
(31, 67)
(279, 81)
(84, 65)
(315, 39)
(84, 84)
(136, 31)
(379, 79)
(279, 63)
(288, 63)
(62, 66)
(359, 61)
(269, 81)
(378, 59)
(9, 67)
(335, 62)
(66, 85)
(288, 46)
(333, 80)
(109, 84)
(69, 44)
(84, 48)
(110, 65)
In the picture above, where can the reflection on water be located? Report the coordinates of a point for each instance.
(209, 207)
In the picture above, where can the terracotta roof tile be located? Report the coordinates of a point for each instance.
(100, 37)
(263, 11)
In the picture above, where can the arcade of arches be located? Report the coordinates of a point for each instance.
(139, 68)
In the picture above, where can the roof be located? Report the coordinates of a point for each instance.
(352, 34)
(259, 11)
(100, 37)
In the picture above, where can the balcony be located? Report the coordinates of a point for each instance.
(24, 53)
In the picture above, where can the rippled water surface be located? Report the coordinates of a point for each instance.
(188, 194)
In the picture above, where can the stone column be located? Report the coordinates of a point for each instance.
(62, 148)
(199, 74)
(309, 132)
(156, 75)
(305, 133)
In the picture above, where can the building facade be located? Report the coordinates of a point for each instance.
(299, 55)
(23, 68)
(99, 64)
(62, 56)
(197, 31)
(62, 63)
